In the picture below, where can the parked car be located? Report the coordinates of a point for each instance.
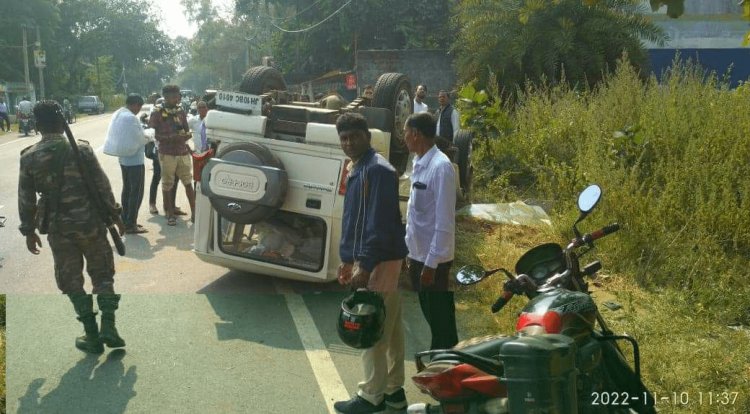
(90, 105)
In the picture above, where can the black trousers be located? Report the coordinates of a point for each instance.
(438, 306)
(132, 193)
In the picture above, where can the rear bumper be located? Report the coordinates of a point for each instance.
(263, 268)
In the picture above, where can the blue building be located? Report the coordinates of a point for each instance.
(710, 32)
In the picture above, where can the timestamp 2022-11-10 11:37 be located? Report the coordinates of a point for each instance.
(684, 398)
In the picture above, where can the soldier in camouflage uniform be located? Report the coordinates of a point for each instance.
(75, 230)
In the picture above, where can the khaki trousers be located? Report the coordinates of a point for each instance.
(384, 362)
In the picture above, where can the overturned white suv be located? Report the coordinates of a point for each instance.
(271, 200)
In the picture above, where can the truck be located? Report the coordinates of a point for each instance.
(270, 200)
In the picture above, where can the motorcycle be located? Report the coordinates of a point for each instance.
(26, 124)
(557, 362)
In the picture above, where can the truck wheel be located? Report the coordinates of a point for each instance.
(393, 91)
(462, 141)
(241, 210)
(261, 79)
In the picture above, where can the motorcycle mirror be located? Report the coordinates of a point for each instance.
(589, 198)
(470, 274)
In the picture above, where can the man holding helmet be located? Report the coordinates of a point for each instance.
(372, 250)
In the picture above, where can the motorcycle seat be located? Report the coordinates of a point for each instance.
(484, 346)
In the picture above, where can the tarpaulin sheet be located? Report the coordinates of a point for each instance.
(508, 213)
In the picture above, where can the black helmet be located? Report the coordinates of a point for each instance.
(360, 323)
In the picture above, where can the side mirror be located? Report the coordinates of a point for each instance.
(589, 198)
(470, 274)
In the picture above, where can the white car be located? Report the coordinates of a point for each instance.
(271, 200)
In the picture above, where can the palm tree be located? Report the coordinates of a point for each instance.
(536, 41)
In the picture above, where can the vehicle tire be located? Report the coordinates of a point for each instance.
(261, 79)
(393, 91)
(251, 154)
(462, 141)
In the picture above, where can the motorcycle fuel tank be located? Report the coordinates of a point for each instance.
(560, 311)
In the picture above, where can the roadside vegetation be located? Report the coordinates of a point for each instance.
(672, 159)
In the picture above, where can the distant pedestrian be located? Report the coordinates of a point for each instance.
(430, 229)
(198, 127)
(126, 129)
(419, 95)
(172, 132)
(447, 118)
(75, 230)
(4, 119)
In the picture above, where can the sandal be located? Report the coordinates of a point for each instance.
(172, 221)
(138, 229)
(152, 209)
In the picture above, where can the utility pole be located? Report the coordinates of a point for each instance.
(40, 63)
(26, 59)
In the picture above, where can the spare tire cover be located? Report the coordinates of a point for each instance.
(246, 183)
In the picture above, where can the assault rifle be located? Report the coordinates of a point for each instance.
(94, 195)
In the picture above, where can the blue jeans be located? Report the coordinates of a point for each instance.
(132, 193)
(4, 119)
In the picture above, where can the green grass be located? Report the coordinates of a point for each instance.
(681, 351)
(673, 160)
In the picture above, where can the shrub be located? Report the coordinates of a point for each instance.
(672, 158)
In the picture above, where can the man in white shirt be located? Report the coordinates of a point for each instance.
(25, 106)
(430, 229)
(419, 95)
(126, 130)
(198, 128)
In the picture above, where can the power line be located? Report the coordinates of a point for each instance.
(297, 14)
(313, 26)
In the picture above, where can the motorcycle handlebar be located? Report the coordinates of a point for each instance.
(598, 234)
(502, 301)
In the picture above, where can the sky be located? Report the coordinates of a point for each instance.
(174, 22)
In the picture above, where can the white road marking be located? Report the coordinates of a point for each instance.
(15, 140)
(329, 380)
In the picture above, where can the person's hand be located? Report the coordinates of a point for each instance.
(32, 241)
(120, 226)
(427, 278)
(360, 278)
(345, 273)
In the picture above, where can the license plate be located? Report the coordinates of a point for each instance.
(239, 100)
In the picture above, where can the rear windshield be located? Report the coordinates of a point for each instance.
(87, 99)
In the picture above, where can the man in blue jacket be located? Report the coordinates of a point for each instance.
(372, 249)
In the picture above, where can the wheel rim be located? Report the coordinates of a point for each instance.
(401, 112)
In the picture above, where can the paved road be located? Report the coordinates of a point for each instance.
(201, 339)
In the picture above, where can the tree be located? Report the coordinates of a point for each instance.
(30, 13)
(325, 35)
(548, 41)
(78, 34)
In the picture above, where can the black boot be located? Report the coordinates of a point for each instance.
(108, 305)
(84, 307)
